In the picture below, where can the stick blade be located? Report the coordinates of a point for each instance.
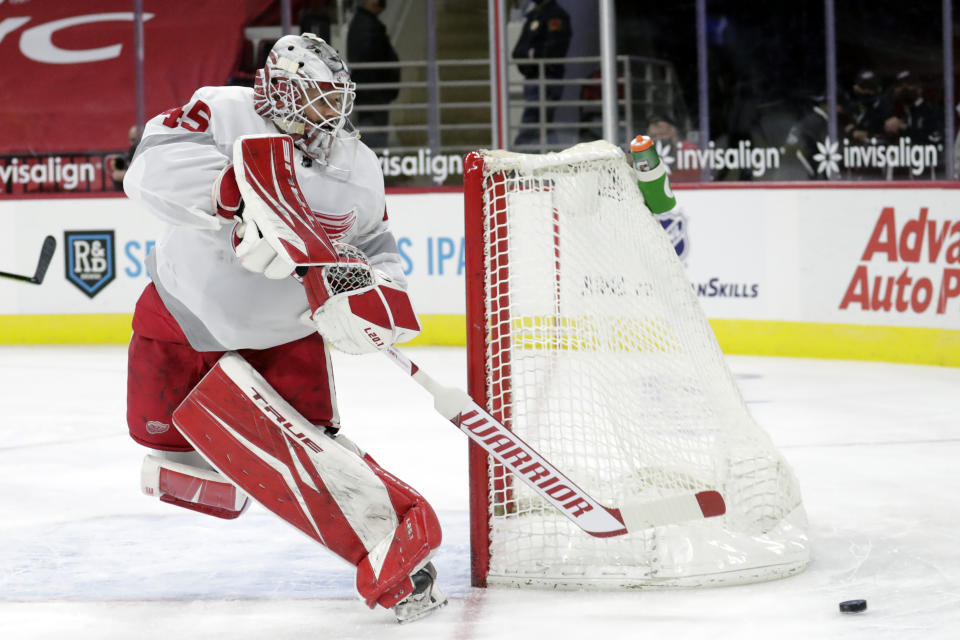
(46, 255)
(687, 507)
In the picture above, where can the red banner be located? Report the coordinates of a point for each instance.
(68, 75)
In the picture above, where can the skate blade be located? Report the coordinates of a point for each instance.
(422, 613)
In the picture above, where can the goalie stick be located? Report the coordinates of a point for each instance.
(46, 254)
(531, 467)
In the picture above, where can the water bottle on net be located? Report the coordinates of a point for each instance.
(652, 178)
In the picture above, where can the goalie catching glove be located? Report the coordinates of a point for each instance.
(356, 308)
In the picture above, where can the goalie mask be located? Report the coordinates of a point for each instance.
(305, 89)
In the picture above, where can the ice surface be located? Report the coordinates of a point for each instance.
(83, 555)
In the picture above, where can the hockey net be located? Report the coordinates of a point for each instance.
(586, 339)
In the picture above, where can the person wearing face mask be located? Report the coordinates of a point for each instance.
(863, 108)
(907, 114)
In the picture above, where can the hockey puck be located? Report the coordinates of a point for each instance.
(853, 606)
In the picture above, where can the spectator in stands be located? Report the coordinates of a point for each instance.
(546, 34)
(367, 41)
(117, 164)
(670, 143)
(315, 18)
(906, 114)
(802, 140)
(863, 108)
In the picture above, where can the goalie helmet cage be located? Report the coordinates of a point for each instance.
(586, 339)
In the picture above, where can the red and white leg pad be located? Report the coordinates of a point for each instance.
(383, 576)
(324, 486)
(184, 479)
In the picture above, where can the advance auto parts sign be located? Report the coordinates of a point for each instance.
(857, 256)
(883, 281)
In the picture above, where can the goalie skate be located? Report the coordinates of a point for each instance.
(425, 599)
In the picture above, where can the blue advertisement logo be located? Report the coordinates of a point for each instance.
(90, 262)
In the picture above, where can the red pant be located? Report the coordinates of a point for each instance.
(162, 368)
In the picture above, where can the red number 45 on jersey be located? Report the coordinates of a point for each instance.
(195, 119)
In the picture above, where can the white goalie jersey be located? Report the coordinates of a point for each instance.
(219, 304)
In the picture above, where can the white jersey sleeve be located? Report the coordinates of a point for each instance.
(380, 246)
(183, 150)
(372, 234)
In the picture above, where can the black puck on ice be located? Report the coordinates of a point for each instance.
(853, 606)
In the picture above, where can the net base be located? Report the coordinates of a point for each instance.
(678, 557)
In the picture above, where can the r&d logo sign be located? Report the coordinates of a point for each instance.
(89, 259)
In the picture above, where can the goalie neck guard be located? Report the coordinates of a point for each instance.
(305, 89)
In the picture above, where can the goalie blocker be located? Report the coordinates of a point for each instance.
(323, 485)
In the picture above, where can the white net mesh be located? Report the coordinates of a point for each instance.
(599, 355)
